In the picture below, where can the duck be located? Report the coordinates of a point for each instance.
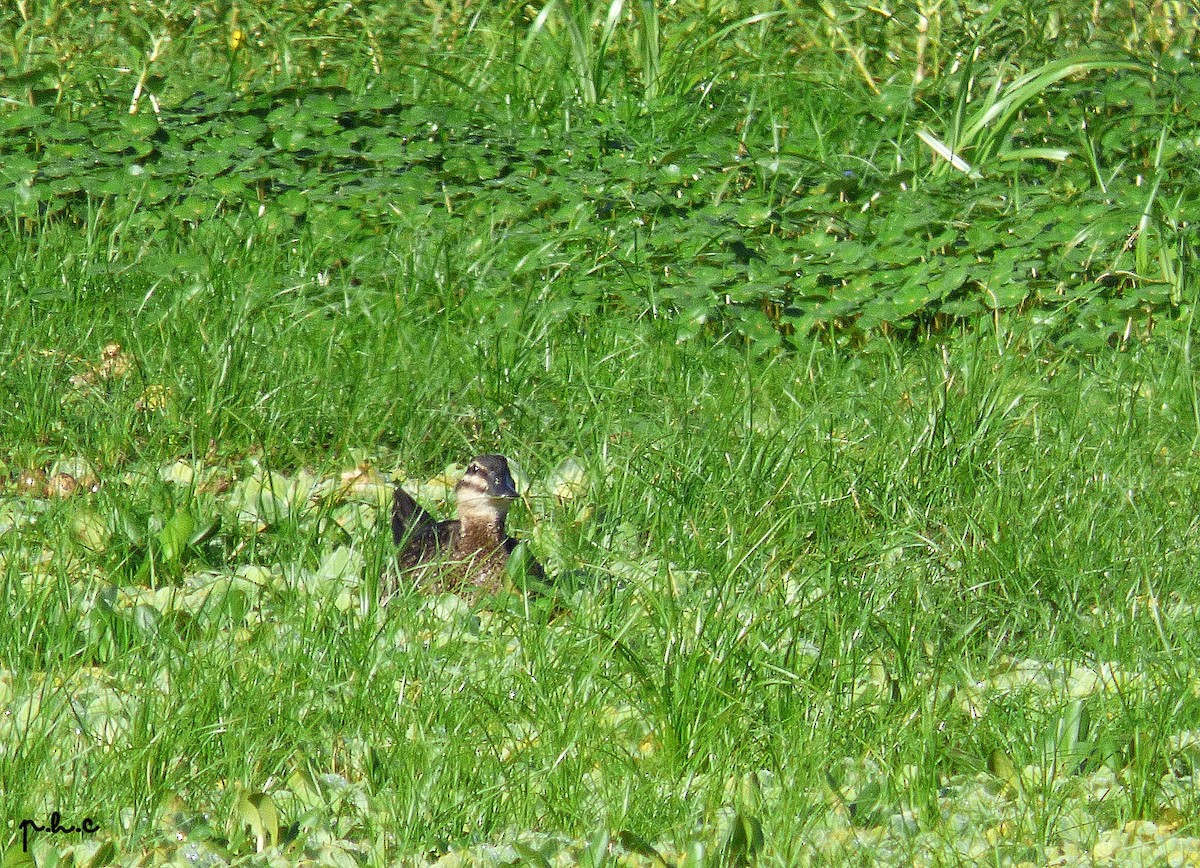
(469, 555)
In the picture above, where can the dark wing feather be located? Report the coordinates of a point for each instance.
(408, 518)
(415, 531)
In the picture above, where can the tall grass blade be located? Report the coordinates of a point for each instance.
(944, 151)
(650, 47)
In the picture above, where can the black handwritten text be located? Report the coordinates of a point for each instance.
(56, 827)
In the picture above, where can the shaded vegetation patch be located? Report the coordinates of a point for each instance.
(749, 222)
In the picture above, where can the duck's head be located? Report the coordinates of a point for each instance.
(486, 486)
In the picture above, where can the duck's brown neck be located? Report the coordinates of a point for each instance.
(482, 527)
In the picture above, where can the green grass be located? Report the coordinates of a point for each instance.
(866, 487)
